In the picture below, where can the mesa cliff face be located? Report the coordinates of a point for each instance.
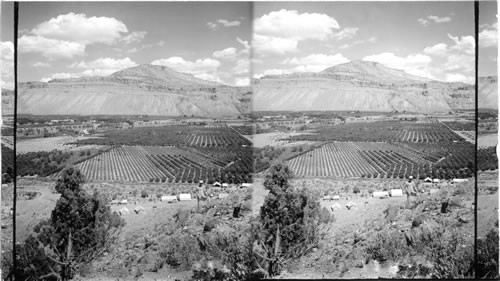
(141, 90)
(488, 92)
(359, 85)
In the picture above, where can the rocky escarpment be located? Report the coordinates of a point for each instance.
(488, 92)
(141, 90)
(7, 102)
(359, 85)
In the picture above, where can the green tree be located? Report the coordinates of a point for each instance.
(290, 220)
(80, 229)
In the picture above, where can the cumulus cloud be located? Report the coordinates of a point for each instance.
(227, 53)
(412, 61)
(228, 23)
(98, 67)
(50, 48)
(452, 61)
(291, 24)
(201, 68)
(435, 19)
(279, 32)
(488, 37)
(66, 36)
(61, 75)
(440, 49)
(346, 33)
(7, 61)
(242, 66)
(241, 82)
(82, 29)
(41, 64)
(135, 36)
(264, 45)
(224, 23)
(315, 62)
(103, 66)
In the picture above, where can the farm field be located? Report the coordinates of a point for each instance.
(168, 164)
(385, 160)
(469, 136)
(64, 143)
(487, 140)
(385, 131)
(187, 135)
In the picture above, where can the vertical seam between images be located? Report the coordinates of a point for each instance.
(14, 263)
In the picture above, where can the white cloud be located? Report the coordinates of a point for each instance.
(135, 36)
(103, 66)
(455, 77)
(41, 64)
(264, 45)
(245, 44)
(98, 67)
(82, 29)
(315, 62)
(227, 53)
(241, 82)
(291, 24)
(228, 23)
(61, 75)
(50, 48)
(423, 22)
(66, 36)
(7, 65)
(279, 32)
(488, 37)
(242, 66)
(273, 71)
(411, 62)
(201, 68)
(440, 49)
(427, 20)
(465, 44)
(212, 25)
(437, 19)
(223, 22)
(346, 33)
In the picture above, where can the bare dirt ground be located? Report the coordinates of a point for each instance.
(363, 220)
(138, 226)
(273, 139)
(49, 144)
(487, 202)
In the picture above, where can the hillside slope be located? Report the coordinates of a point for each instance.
(140, 90)
(488, 92)
(359, 85)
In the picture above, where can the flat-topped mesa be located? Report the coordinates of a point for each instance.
(144, 89)
(359, 85)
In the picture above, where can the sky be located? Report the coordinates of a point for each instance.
(488, 43)
(428, 39)
(212, 40)
(74, 39)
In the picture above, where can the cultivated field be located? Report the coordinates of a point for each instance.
(487, 140)
(64, 143)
